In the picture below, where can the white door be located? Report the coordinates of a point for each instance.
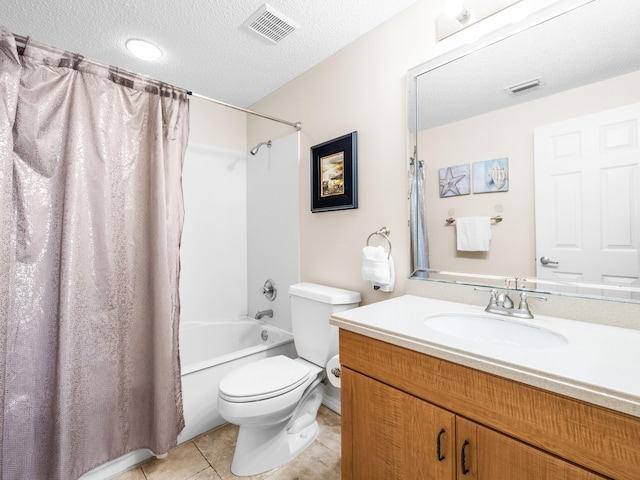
(587, 184)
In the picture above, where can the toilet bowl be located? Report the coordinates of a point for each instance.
(270, 434)
(275, 400)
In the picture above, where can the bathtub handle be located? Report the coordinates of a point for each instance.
(269, 290)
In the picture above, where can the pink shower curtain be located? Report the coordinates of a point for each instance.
(91, 217)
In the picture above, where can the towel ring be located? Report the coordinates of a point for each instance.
(383, 232)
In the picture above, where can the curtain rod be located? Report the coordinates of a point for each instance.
(297, 125)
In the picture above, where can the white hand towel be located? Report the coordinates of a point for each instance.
(473, 234)
(377, 268)
(392, 278)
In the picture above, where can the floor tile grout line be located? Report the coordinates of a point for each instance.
(204, 456)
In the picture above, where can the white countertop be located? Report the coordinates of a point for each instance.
(600, 364)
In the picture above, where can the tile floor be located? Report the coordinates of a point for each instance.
(208, 457)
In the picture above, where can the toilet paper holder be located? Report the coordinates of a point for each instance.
(333, 372)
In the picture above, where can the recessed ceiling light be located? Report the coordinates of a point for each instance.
(143, 49)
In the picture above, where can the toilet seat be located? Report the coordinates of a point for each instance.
(263, 379)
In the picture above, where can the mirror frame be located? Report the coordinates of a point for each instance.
(480, 280)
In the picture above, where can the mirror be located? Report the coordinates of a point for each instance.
(472, 113)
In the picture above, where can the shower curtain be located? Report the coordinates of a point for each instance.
(91, 217)
(419, 247)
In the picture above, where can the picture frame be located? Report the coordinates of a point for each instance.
(334, 174)
(454, 181)
(491, 176)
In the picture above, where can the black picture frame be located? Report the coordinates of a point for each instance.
(334, 174)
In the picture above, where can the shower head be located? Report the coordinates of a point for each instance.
(255, 149)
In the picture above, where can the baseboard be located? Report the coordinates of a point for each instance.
(331, 403)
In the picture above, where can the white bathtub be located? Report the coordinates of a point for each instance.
(210, 350)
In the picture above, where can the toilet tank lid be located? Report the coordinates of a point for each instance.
(325, 294)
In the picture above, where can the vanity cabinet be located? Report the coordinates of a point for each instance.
(407, 415)
(394, 434)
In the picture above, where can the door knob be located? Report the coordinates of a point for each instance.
(547, 261)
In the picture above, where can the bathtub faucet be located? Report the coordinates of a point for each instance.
(264, 313)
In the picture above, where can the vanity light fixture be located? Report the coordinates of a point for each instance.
(458, 15)
(457, 10)
(143, 50)
(524, 86)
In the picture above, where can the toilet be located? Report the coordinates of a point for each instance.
(275, 400)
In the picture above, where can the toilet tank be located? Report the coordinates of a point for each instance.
(311, 306)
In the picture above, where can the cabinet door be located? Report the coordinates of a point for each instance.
(389, 434)
(489, 455)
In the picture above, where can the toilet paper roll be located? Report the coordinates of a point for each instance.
(333, 371)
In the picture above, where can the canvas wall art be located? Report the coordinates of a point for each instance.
(454, 181)
(491, 176)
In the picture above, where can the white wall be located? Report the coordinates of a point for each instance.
(213, 252)
(273, 226)
(241, 218)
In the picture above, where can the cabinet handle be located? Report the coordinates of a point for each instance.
(440, 456)
(463, 462)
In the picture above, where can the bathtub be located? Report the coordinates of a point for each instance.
(210, 350)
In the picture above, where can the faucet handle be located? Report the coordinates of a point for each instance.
(493, 301)
(525, 295)
(524, 307)
(269, 290)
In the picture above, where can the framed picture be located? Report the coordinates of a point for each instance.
(491, 176)
(454, 181)
(334, 174)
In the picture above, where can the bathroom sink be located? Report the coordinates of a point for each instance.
(494, 330)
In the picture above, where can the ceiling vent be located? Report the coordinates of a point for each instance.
(270, 24)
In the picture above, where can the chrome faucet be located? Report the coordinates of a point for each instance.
(264, 313)
(501, 304)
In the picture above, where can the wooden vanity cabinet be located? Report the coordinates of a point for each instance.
(393, 434)
(407, 415)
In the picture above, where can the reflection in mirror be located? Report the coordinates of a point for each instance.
(541, 100)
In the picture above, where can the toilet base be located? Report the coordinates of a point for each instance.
(261, 448)
(261, 451)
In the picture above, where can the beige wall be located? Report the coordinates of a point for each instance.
(217, 126)
(361, 87)
(504, 133)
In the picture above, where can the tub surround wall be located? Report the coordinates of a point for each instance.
(273, 226)
(213, 279)
(213, 252)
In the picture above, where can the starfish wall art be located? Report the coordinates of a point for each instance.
(454, 181)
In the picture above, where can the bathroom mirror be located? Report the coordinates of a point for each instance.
(501, 101)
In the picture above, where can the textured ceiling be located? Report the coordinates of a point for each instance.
(206, 50)
(600, 40)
